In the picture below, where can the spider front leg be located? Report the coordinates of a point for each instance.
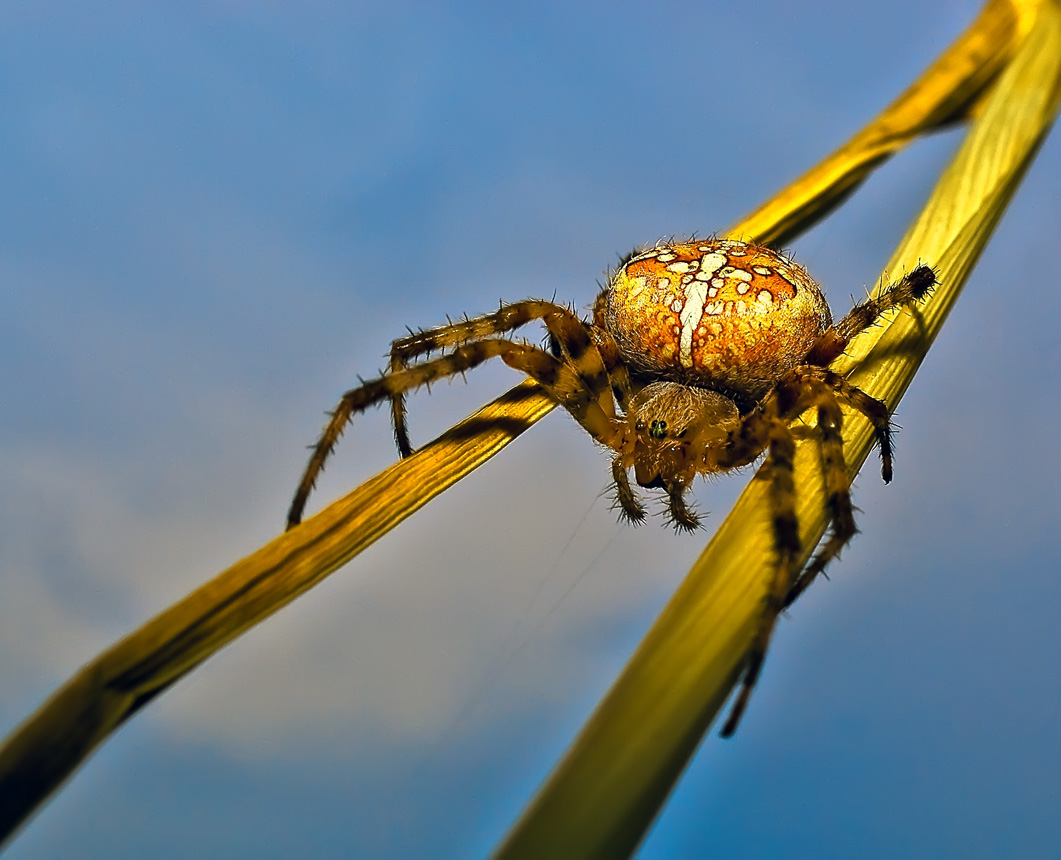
(618, 374)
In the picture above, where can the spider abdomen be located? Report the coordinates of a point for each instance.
(718, 313)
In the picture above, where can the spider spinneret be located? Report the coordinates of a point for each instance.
(698, 357)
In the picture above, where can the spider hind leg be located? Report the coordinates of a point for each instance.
(909, 289)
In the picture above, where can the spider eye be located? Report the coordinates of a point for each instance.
(658, 430)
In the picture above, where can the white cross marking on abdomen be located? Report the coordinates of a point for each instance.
(695, 296)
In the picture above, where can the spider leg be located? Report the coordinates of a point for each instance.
(767, 426)
(615, 366)
(533, 361)
(584, 383)
(837, 497)
(874, 410)
(508, 318)
(779, 466)
(398, 420)
(417, 344)
(912, 287)
(627, 501)
(578, 381)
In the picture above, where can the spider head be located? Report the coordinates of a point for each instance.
(672, 425)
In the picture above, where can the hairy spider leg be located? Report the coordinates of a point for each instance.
(779, 466)
(579, 382)
(838, 485)
(583, 385)
(386, 387)
(768, 426)
(912, 287)
(614, 364)
(837, 499)
(872, 409)
(506, 319)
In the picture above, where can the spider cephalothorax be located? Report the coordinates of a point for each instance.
(698, 357)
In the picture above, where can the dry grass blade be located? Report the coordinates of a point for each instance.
(606, 792)
(45, 750)
(949, 90)
(51, 744)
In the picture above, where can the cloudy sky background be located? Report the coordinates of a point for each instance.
(214, 215)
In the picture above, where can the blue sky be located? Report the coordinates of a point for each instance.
(215, 215)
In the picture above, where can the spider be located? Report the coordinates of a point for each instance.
(699, 356)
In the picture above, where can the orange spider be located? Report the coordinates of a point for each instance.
(699, 356)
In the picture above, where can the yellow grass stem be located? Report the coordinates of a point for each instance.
(607, 790)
